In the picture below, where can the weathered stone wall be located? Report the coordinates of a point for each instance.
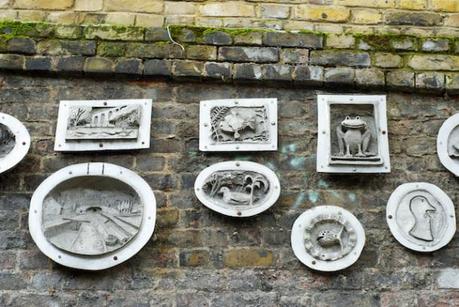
(424, 17)
(197, 257)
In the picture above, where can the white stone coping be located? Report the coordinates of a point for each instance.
(22, 142)
(298, 234)
(99, 262)
(270, 199)
(444, 200)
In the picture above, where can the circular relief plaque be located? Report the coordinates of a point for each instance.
(237, 188)
(421, 216)
(92, 216)
(448, 144)
(327, 238)
(14, 142)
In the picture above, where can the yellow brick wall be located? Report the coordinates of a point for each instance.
(420, 17)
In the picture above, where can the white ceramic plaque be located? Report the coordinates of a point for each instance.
(327, 238)
(14, 142)
(421, 216)
(238, 125)
(352, 134)
(448, 144)
(237, 188)
(87, 125)
(92, 216)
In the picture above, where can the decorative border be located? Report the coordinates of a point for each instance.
(22, 142)
(440, 195)
(238, 165)
(324, 133)
(107, 260)
(205, 128)
(442, 144)
(143, 140)
(298, 235)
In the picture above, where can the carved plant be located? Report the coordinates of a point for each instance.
(251, 183)
(217, 114)
(79, 116)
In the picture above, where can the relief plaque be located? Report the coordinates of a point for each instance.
(421, 216)
(238, 125)
(92, 216)
(237, 188)
(327, 238)
(352, 134)
(14, 142)
(86, 125)
(448, 144)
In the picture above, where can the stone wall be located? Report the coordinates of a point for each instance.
(421, 17)
(197, 257)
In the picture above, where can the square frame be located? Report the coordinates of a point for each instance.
(324, 103)
(142, 141)
(205, 129)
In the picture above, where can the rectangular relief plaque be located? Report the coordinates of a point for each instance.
(86, 125)
(352, 134)
(238, 125)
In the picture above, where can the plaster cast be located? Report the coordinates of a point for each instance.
(352, 134)
(14, 142)
(103, 125)
(238, 125)
(327, 238)
(421, 216)
(448, 144)
(92, 216)
(237, 188)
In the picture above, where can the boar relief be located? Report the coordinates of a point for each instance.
(237, 188)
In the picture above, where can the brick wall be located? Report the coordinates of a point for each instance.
(420, 17)
(197, 257)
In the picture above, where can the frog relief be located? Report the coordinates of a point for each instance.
(353, 138)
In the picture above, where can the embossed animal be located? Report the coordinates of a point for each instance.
(353, 137)
(234, 198)
(235, 122)
(328, 238)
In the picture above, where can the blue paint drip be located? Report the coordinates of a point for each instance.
(323, 184)
(297, 162)
(299, 200)
(352, 197)
(313, 196)
(288, 148)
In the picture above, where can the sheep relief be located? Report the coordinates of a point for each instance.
(237, 188)
(327, 238)
(352, 134)
(421, 216)
(238, 124)
(100, 125)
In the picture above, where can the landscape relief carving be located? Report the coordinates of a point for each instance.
(92, 123)
(7, 141)
(84, 220)
(239, 124)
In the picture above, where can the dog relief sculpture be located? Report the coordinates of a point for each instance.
(103, 125)
(421, 216)
(238, 125)
(352, 134)
(237, 188)
(327, 238)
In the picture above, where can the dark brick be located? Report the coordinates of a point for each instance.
(338, 58)
(194, 258)
(400, 79)
(70, 64)
(22, 45)
(157, 50)
(217, 70)
(129, 66)
(339, 75)
(282, 39)
(200, 52)
(38, 63)
(98, 65)
(111, 49)
(308, 74)
(11, 61)
(217, 38)
(156, 34)
(412, 18)
(67, 47)
(157, 68)
(248, 54)
(188, 68)
(277, 72)
(247, 71)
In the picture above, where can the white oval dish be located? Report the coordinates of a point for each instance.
(89, 172)
(239, 201)
(22, 142)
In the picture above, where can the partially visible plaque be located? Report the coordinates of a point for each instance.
(103, 125)
(14, 142)
(238, 125)
(352, 134)
(448, 144)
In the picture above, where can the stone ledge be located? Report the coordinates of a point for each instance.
(319, 59)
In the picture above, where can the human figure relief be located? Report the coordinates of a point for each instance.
(353, 137)
(421, 210)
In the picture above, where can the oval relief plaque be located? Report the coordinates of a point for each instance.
(421, 216)
(327, 238)
(237, 188)
(92, 216)
(14, 142)
(448, 144)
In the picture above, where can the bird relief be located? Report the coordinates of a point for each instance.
(7, 141)
(236, 188)
(90, 222)
(422, 212)
(239, 124)
(98, 123)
